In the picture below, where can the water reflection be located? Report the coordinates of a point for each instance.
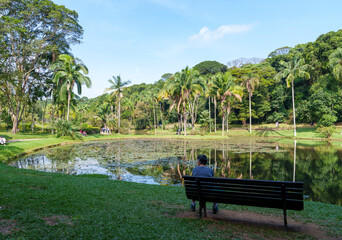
(165, 161)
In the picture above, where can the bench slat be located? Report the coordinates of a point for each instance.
(245, 181)
(278, 194)
(257, 202)
(228, 189)
(244, 186)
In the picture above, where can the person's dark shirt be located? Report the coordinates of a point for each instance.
(202, 171)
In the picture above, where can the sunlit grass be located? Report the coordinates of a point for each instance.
(54, 206)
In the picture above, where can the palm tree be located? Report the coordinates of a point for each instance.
(171, 92)
(188, 82)
(68, 72)
(335, 63)
(250, 81)
(116, 86)
(222, 88)
(293, 70)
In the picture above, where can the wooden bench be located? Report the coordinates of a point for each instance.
(260, 193)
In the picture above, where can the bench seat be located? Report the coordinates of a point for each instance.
(260, 193)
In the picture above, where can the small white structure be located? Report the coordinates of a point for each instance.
(2, 141)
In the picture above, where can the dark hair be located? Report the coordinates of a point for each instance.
(202, 159)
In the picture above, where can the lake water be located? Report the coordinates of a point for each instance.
(161, 161)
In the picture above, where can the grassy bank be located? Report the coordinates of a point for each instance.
(54, 206)
(37, 205)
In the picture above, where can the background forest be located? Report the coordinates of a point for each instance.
(41, 89)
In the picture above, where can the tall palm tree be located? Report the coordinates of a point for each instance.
(172, 93)
(117, 85)
(222, 88)
(250, 82)
(188, 82)
(292, 70)
(68, 72)
(335, 63)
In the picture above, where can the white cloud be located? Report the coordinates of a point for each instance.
(206, 34)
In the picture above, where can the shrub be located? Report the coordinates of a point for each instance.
(92, 130)
(125, 126)
(64, 129)
(327, 120)
(327, 132)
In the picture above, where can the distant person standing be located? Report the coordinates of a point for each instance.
(277, 124)
(203, 171)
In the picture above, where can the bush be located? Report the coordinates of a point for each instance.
(197, 131)
(327, 120)
(92, 130)
(125, 126)
(64, 129)
(327, 132)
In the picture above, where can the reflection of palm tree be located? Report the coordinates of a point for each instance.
(250, 161)
(294, 160)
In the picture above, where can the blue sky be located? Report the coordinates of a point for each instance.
(143, 39)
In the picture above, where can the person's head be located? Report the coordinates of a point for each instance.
(202, 159)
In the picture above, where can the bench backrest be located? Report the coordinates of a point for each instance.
(261, 193)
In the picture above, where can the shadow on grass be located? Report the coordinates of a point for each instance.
(140, 132)
(8, 137)
(265, 132)
(9, 152)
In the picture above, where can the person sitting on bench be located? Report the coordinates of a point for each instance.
(203, 171)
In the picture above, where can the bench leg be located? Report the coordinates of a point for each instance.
(285, 220)
(203, 206)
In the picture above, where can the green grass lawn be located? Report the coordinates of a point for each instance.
(38, 205)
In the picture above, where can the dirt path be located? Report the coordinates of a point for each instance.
(23, 140)
(260, 221)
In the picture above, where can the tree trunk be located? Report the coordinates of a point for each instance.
(215, 115)
(154, 120)
(44, 110)
(227, 123)
(222, 124)
(184, 124)
(294, 111)
(209, 116)
(15, 118)
(250, 114)
(161, 115)
(179, 122)
(0, 114)
(69, 98)
(53, 114)
(32, 123)
(119, 114)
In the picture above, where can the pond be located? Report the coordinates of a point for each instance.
(161, 161)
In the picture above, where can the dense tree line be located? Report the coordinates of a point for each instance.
(39, 76)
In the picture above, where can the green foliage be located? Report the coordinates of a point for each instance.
(33, 33)
(205, 119)
(64, 129)
(326, 132)
(125, 127)
(327, 120)
(210, 67)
